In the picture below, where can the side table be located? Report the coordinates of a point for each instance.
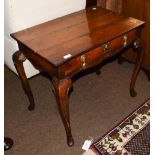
(67, 45)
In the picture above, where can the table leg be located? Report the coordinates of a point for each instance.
(18, 59)
(61, 88)
(137, 46)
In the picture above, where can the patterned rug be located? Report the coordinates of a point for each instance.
(130, 137)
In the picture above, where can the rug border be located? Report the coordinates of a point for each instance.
(136, 134)
(93, 147)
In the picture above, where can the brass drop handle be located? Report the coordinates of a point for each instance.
(83, 60)
(125, 38)
(105, 46)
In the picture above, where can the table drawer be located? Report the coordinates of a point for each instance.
(97, 55)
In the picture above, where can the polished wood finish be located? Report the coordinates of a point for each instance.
(73, 43)
(82, 32)
(139, 9)
(61, 89)
(114, 5)
(101, 3)
(137, 46)
(18, 59)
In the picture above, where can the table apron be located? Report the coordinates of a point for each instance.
(97, 55)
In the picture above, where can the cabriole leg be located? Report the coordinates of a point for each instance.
(18, 59)
(137, 46)
(61, 88)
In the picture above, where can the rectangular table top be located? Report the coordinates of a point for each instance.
(64, 38)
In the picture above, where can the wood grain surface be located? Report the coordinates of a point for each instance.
(75, 34)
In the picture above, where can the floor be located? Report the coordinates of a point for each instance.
(97, 103)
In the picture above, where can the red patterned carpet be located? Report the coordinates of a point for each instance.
(130, 137)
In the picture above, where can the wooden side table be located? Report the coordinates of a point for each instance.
(70, 44)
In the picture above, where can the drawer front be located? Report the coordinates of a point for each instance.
(97, 55)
